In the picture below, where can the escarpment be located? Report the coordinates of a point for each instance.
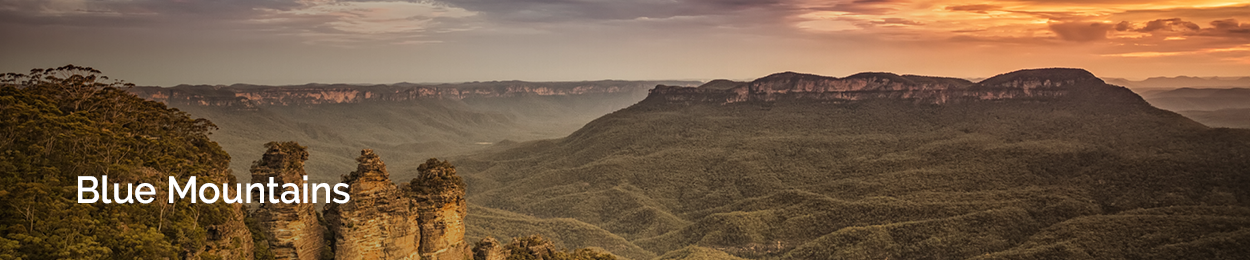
(1036, 84)
(249, 96)
(293, 229)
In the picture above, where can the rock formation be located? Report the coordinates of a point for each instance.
(439, 197)
(1023, 84)
(420, 219)
(377, 222)
(293, 229)
(489, 249)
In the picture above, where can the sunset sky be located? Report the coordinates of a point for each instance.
(169, 42)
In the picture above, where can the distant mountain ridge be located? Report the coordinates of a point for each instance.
(1186, 99)
(403, 120)
(1215, 107)
(1182, 82)
(1023, 84)
(250, 96)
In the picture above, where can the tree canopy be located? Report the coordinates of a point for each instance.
(60, 123)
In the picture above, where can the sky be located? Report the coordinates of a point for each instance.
(170, 42)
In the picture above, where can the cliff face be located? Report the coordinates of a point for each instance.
(248, 96)
(439, 196)
(294, 231)
(376, 223)
(1024, 84)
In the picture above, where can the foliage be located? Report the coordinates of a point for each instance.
(535, 247)
(260, 239)
(562, 232)
(434, 177)
(60, 123)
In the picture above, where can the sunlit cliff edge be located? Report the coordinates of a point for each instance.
(1019, 85)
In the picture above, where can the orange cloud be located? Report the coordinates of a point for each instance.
(1150, 28)
(1243, 49)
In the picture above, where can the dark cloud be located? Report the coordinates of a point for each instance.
(133, 13)
(1192, 13)
(979, 8)
(1170, 25)
(1179, 27)
(1228, 28)
(1080, 31)
(1123, 26)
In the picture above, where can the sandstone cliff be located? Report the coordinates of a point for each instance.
(1038, 84)
(420, 219)
(439, 196)
(248, 96)
(293, 229)
(377, 222)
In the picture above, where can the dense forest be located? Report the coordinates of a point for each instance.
(60, 123)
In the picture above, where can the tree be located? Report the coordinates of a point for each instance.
(60, 123)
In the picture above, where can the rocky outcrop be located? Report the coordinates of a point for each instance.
(293, 229)
(250, 96)
(420, 219)
(489, 249)
(1038, 84)
(439, 197)
(376, 223)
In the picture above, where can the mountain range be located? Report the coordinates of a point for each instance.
(1043, 163)
(1182, 82)
(1032, 164)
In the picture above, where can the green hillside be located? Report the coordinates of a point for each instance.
(808, 179)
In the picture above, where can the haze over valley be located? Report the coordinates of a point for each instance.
(401, 120)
